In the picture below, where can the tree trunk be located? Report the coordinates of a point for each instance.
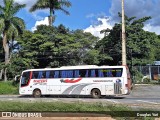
(5, 74)
(1, 73)
(50, 20)
(6, 50)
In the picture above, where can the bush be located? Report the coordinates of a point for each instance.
(137, 76)
(8, 87)
(146, 80)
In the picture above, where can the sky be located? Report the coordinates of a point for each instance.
(94, 15)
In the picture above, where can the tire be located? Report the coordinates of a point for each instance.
(47, 96)
(96, 93)
(36, 93)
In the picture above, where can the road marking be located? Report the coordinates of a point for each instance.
(113, 101)
(148, 102)
(55, 99)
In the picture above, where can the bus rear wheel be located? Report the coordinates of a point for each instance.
(36, 93)
(96, 93)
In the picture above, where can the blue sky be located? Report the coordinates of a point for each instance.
(94, 15)
(82, 14)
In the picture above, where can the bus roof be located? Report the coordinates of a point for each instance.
(79, 66)
(75, 67)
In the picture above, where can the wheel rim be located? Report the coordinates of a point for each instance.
(37, 93)
(96, 94)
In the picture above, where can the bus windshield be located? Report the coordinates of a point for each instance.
(25, 78)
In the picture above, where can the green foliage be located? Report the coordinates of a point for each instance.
(58, 46)
(142, 46)
(92, 57)
(8, 88)
(52, 47)
(146, 80)
(53, 5)
(137, 76)
(11, 24)
(119, 112)
(10, 27)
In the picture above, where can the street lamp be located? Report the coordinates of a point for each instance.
(123, 37)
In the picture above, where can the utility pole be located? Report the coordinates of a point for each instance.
(123, 37)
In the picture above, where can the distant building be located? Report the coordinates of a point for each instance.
(156, 62)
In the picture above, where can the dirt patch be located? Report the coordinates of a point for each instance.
(62, 118)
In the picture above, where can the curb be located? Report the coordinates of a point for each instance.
(9, 95)
(143, 84)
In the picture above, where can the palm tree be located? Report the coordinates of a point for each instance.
(52, 5)
(10, 26)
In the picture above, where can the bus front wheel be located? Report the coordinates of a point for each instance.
(36, 93)
(96, 93)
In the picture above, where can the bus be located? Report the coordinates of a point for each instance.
(91, 80)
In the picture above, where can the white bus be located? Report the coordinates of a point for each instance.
(91, 80)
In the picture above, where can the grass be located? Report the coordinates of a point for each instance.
(8, 87)
(115, 111)
(59, 106)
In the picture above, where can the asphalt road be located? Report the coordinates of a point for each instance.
(142, 96)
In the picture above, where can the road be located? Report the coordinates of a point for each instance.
(142, 96)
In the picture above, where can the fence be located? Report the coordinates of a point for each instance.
(152, 72)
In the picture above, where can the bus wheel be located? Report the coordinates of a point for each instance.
(36, 93)
(96, 93)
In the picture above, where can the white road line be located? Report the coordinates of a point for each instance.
(55, 99)
(148, 102)
(113, 101)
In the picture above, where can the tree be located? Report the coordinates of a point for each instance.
(143, 44)
(52, 5)
(11, 26)
(56, 46)
(1, 58)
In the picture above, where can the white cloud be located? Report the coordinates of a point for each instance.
(137, 8)
(95, 29)
(90, 15)
(28, 3)
(151, 28)
(105, 23)
(41, 22)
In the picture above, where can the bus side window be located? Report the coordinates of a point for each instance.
(83, 73)
(47, 74)
(41, 74)
(113, 72)
(35, 75)
(93, 73)
(86, 75)
(56, 74)
(100, 73)
(76, 74)
(109, 73)
(63, 74)
(70, 74)
(51, 74)
(118, 73)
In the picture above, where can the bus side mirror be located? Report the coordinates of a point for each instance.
(17, 77)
